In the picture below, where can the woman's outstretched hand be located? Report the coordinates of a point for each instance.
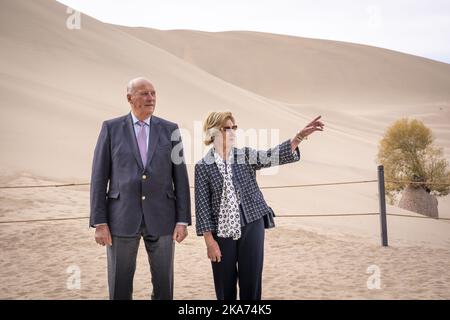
(314, 125)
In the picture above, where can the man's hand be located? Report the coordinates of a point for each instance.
(180, 233)
(103, 235)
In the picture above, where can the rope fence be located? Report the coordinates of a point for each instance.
(46, 186)
(263, 187)
(277, 216)
(306, 215)
(43, 220)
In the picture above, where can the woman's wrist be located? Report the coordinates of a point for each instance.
(209, 239)
(294, 144)
(299, 137)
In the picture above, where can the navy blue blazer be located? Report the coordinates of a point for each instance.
(209, 181)
(124, 190)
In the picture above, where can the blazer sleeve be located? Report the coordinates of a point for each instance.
(203, 211)
(101, 169)
(276, 156)
(181, 182)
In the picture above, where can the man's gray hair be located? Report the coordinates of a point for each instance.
(132, 82)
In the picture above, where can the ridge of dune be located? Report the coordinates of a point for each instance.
(302, 70)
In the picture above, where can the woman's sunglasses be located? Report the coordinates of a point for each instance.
(229, 128)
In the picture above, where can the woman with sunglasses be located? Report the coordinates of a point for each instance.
(230, 208)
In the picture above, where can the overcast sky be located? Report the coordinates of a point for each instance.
(420, 27)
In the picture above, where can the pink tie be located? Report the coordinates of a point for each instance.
(142, 142)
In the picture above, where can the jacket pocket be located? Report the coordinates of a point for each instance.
(171, 195)
(113, 194)
(163, 146)
(257, 196)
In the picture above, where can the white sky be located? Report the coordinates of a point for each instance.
(420, 27)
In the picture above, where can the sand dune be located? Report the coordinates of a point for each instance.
(57, 86)
(300, 70)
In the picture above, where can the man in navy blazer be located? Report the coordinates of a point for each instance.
(139, 188)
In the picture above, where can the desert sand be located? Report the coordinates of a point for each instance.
(58, 85)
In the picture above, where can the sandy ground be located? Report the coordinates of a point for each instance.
(303, 259)
(298, 265)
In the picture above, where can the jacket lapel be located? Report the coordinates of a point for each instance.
(131, 137)
(237, 166)
(216, 176)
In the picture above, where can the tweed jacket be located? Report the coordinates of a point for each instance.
(209, 182)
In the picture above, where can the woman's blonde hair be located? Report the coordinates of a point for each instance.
(213, 123)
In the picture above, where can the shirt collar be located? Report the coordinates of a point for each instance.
(219, 159)
(135, 120)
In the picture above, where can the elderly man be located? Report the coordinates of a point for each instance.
(139, 188)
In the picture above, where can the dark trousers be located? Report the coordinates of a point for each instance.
(242, 262)
(122, 265)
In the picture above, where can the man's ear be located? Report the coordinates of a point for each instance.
(129, 97)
